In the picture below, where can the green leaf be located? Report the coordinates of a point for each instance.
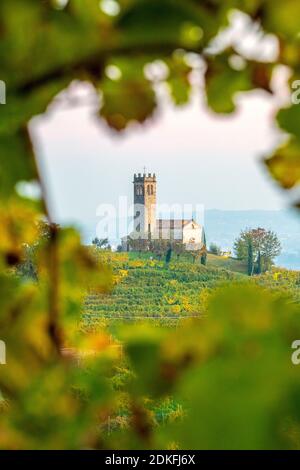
(284, 164)
(21, 107)
(289, 118)
(223, 82)
(282, 17)
(228, 74)
(128, 97)
(16, 161)
(167, 22)
(243, 394)
(178, 79)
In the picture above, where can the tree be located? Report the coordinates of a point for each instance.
(178, 248)
(196, 255)
(139, 244)
(203, 259)
(215, 249)
(169, 255)
(250, 260)
(259, 247)
(27, 267)
(160, 247)
(101, 243)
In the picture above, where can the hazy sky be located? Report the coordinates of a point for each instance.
(198, 157)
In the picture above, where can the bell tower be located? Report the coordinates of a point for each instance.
(144, 196)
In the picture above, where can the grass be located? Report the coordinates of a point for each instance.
(147, 289)
(213, 261)
(232, 264)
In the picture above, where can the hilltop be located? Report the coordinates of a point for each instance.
(147, 288)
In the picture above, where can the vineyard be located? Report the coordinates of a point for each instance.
(148, 289)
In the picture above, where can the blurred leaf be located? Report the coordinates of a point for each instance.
(16, 161)
(178, 79)
(21, 107)
(128, 98)
(228, 74)
(232, 400)
(282, 17)
(288, 119)
(177, 22)
(284, 164)
(143, 349)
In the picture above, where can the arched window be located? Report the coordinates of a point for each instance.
(151, 188)
(139, 190)
(148, 189)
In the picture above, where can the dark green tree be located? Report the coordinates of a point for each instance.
(250, 261)
(203, 259)
(169, 255)
(101, 243)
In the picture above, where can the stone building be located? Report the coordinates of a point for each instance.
(144, 197)
(148, 227)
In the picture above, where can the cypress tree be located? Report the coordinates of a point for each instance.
(258, 269)
(250, 257)
(168, 255)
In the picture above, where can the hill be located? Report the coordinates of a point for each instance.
(213, 261)
(231, 264)
(147, 288)
(223, 227)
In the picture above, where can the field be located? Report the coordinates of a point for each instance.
(231, 264)
(148, 289)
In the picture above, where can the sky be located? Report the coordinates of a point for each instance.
(199, 157)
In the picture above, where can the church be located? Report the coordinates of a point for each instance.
(148, 227)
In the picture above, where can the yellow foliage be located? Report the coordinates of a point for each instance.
(176, 309)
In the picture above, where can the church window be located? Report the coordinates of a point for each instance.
(139, 190)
